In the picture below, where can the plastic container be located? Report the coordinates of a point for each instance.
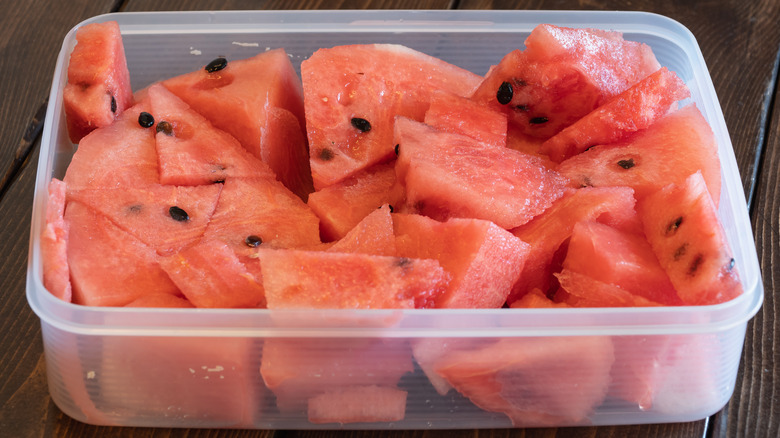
(202, 368)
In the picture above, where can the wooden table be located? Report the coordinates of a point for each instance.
(740, 40)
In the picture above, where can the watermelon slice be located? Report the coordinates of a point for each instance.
(373, 235)
(682, 226)
(358, 404)
(161, 301)
(667, 152)
(192, 151)
(353, 94)
(98, 88)
(483, 259)
(450, 175)
(259, 101)
(632, 110)
(581, 290)
(54, 244)
(563, 75)
(452, 113)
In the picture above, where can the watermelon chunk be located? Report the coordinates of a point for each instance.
(54, 244)
(98, 88)
(581, 290)
(450, 175)
(161, 301)
(356, 404)
(452, 113)
(632, 110)
(259, 101)
(353, 94)
(682, 226)
(373, 235)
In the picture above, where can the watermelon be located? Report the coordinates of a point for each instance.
(483, 259)
(675, 146)
(373, 235)
(451, 175)
(259, 101)
(161, 301)
(632, 110)
(98, 88)
(562, 75)
(452, 113)
(536, 300)
(54, 244)
(582, 290)
(682, 226)
(352, 95)
(358, 404)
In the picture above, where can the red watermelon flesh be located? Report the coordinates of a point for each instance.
(373, 235)
(110, 267)
(161, 301)
(674, 147)
(194, 152)
(452, 113)
(563, 75)
(681, 223)
(244, 100)
(353, 94)
(582, 290)
(358, 404)
(427, 351)
(536, 300)
(120, 155)
(295, 279)
(54, 244)
(342, 205)
(298, 369)
(621, 259)
(632, 110)
(450, 175)
(483, 259)
(210, 275)
(166, 218)
(534, 381)
(98, 88)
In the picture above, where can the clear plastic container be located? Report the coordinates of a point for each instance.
(202, 368)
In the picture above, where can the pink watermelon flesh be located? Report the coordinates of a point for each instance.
(166, 218)
(562, 75)
(621, 259)
(98, 88)
(452, 113)
(210, 274)
(295, 279)
(632, 110)
(373, 235)
(550, 230)
(110, 267)
(358, 404)
(427, 351)
(246, 99)
(353, 94)
(450, 175)
(194, 152)
(536, 300)
(682, 226)
(674, 147)
(342, 205)
(120, 155)
(298, 369)
(581, 290)
(54, 244)
(483, 259)
(161, 301)
(534, 381)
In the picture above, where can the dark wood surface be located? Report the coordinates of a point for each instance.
(740, 40)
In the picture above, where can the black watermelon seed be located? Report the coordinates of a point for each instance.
(538, 120)
(673, 226)
(219, 181)
(178, 214)
(390, 207)
(145, 119)
(695, 263)
(326, 154)
(165, 127)
(626, 164)
(362, 124)
(397, 149)
(253, 241)
(113, 104)
(216, 65)
(679, 252)
(732, 262)
(505, 93)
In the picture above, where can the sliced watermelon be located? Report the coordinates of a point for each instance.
(161, 301)
(373, 235)
(632, 110)
(295, 279)
(353, 94)
(667, 152)
(342, 205)
(581, 290)
(358, 404)
(483, 259)
(244, 99)
(452, 113)
(192, 151)
(450, 175)
(536, 300)
(98, 88)
(54, 244)
(682, 226)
